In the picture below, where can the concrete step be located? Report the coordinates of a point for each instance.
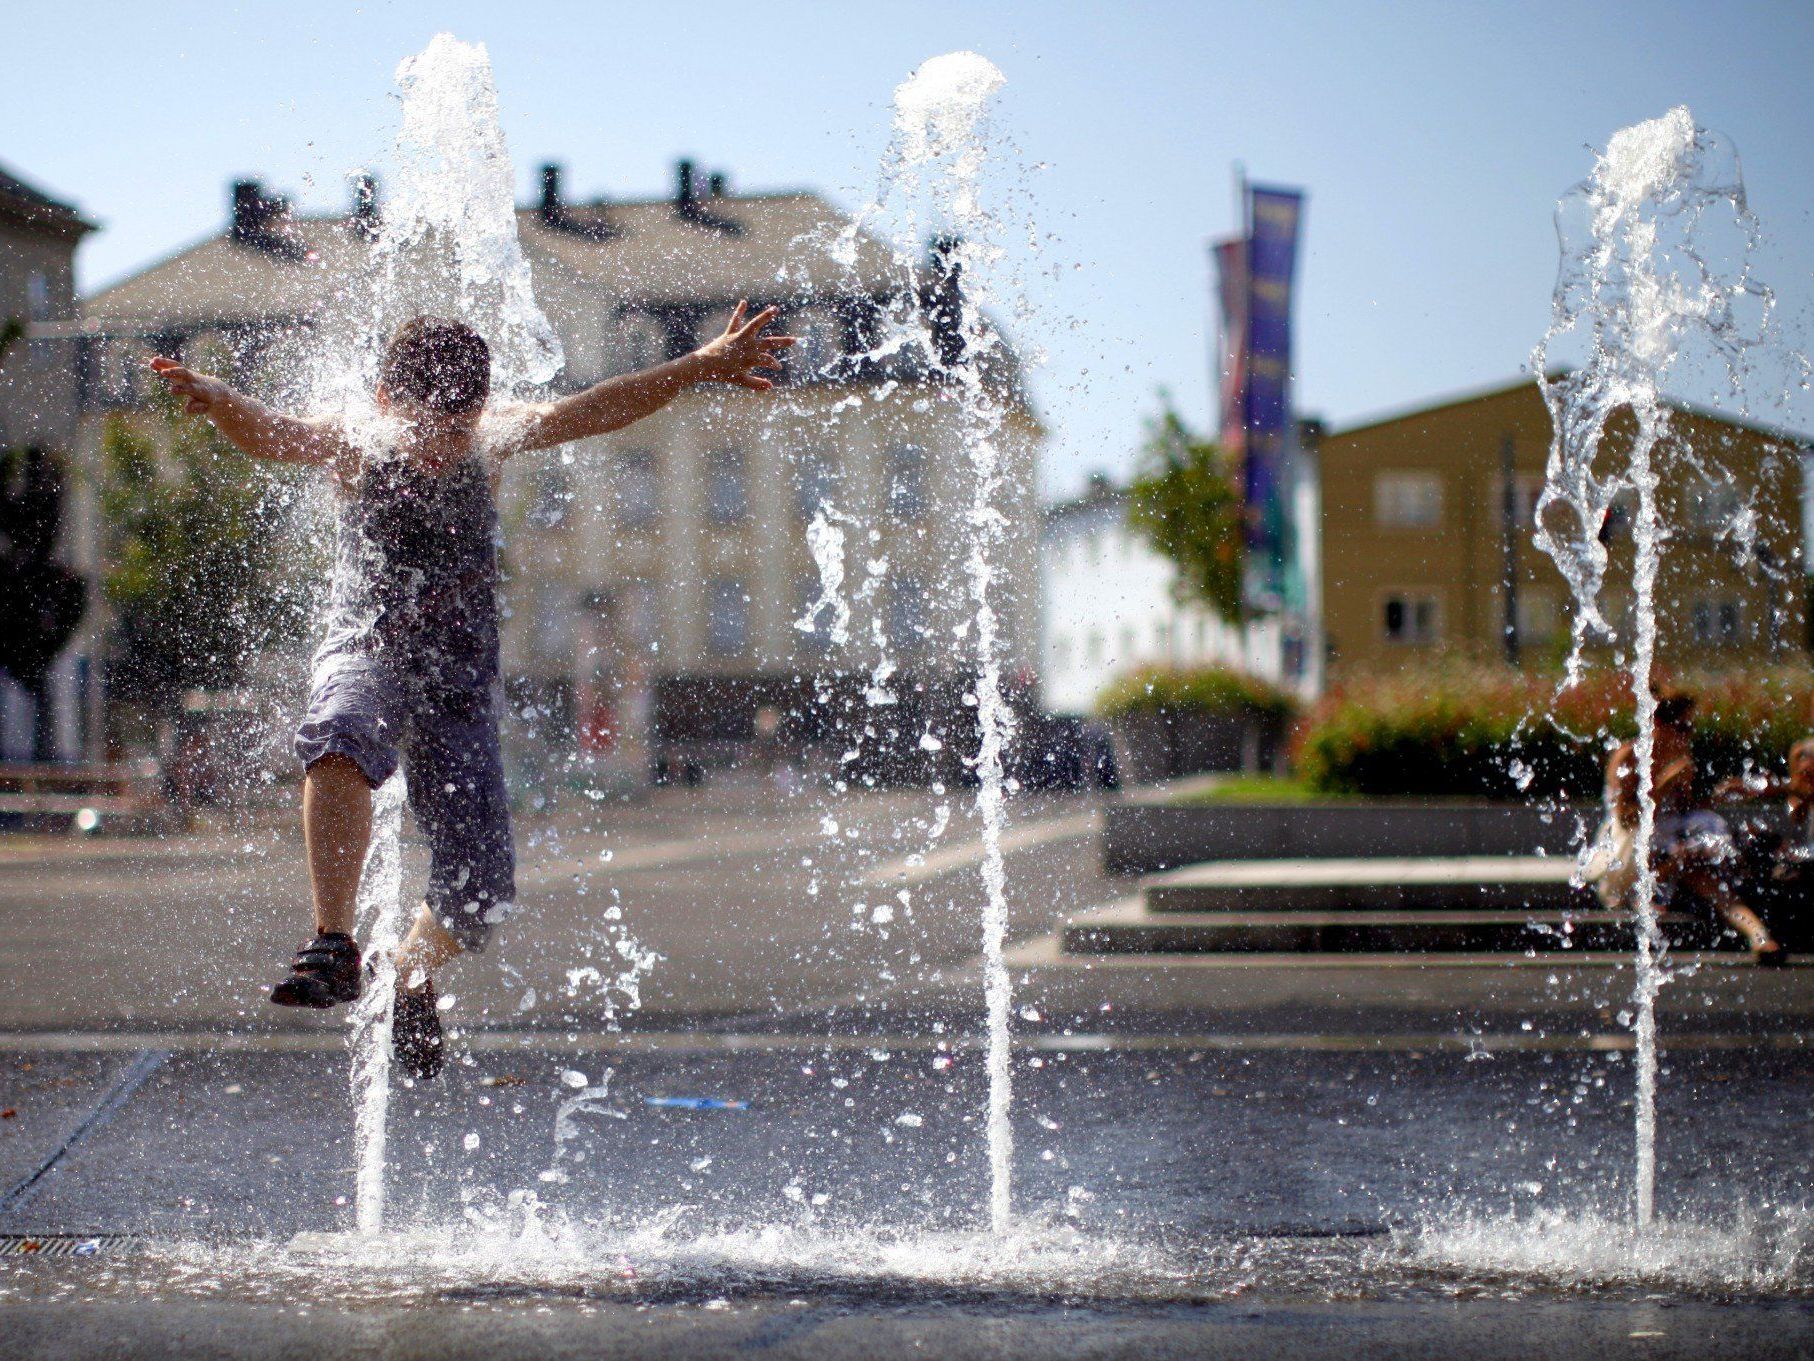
(1129, 927)
(1504, 883)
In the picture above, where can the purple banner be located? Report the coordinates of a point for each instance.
(1273, 216)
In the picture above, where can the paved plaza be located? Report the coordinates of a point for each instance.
(1246, 1155)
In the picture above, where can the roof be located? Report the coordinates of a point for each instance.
(654, 257)
(1528, 381)
(1102, 502)
(24, 206)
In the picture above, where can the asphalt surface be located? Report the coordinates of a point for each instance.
(769, 902)
(1303, 1157)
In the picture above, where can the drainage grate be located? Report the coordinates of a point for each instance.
(62, 1244)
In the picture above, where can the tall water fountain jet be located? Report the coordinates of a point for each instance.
(940, 114)
(447, 245)
(381, 921)
(1644, 270)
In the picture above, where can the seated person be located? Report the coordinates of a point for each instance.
(1783, 861)
(1691, 849)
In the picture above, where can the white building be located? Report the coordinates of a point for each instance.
(655, 576)
(1112, 605)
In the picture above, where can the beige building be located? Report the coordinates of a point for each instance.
(655, 577)
(1424, 554)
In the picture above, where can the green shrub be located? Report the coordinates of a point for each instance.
(1195, 690)
(1507, 735)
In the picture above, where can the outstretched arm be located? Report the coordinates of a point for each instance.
(252, 427)
(741, 355)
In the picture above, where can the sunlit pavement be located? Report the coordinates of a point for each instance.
(1173, 1199)
(1249, 1157)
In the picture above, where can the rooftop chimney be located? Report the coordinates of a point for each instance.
(720, 184)
(251, 209)
(365, 205)
(690, 207)
(552, 208)
(942, 297)
(256, 216)
(556, 216)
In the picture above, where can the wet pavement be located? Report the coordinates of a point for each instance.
(1164, 1145)
(1170, 1200)
(1304, 1157)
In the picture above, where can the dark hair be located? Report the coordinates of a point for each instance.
(1674, 709)
(440, 365)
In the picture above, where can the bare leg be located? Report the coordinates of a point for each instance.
(427, 947)
(1749, 925)
(337, 827)
(1735, 912)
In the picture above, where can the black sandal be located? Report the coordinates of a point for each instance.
(324, 974)
(416, 1043)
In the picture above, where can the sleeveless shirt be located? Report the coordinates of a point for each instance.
(416, 573)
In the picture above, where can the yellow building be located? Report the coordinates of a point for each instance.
(1420, 541)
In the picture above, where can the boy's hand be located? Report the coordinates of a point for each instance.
(743, 352)
(200, 392)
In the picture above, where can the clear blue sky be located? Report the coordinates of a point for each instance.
(1432, 139)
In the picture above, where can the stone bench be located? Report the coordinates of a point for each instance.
(1490, 882)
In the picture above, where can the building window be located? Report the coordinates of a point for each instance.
(906, 465)
(638, 615)
(638, 496)
(553, 496)
(645, 341)
(1409, 619)
(1620, 517)
(1061, 652)
(727, 499)
(821, 343)
(1093, 648)
(37, 295)
(1538, 619)
(818, 482)
(554, 634)
(1407, 500)
(1718, 623)
(906, 622)
(684, 331)
(1713, 507)
(727, 623)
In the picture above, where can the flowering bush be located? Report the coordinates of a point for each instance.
(1196, 691)
(1480, 733)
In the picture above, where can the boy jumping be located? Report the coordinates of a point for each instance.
(409, 665)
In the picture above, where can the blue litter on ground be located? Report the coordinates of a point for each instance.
(695, 1103)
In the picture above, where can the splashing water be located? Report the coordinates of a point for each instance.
(447, 244)
(1639, 277)
(940, 117)
(875, 574)
(586, 1097)
(825, 540)
(381, 921)
(1758, 1250)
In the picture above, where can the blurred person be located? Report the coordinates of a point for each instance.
(1692, 851)
(1781, 861)
(408, 669)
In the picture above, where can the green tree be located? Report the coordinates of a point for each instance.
(200, 575)
(1185, 499)
(41, 599)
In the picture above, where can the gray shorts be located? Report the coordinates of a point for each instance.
(453, 771)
